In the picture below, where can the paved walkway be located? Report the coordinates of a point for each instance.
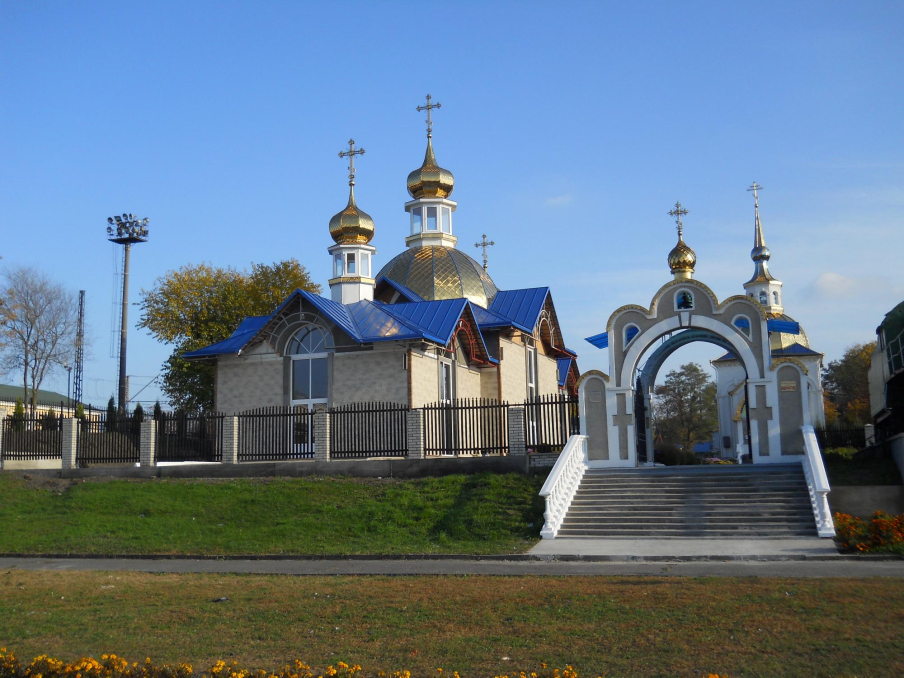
(835, 567)
(772, 549)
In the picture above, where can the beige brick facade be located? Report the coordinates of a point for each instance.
(245, 383)
(489, 383)
(547, 375)
(467, 382)
(513, 369)
(424, 379)
(371, 376)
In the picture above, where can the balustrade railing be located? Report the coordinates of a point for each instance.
(562, 484)
(817, 484)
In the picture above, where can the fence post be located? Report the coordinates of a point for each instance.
(2, 426)
(415, 425)
(517, 444)
(321, 433)
(70, 442)
(147, 443)
(869, 435)
(231, 440)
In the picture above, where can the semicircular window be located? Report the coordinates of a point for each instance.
(631, 331)
(743, 324)
(310, 339)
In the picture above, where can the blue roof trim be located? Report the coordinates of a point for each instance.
(235, 342)
(375, 324)
(406, 292)
(487, 319)
(599, 340)
(435, 319)
(522, 307)
(795, 349)
(336, 312)
(784, 326)
(563, 365)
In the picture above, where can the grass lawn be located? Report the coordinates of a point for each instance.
(477, 514)
(844, 466)
(601, 625)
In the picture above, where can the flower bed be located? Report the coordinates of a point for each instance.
(882, 533)
(111, 666)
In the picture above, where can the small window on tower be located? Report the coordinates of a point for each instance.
(447, 220)
(365, 264)
(350, 264)
(764, 298)
(416, 223)
(337, 265)
(431, 218)
(775, 298)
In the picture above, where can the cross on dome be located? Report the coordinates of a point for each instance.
(678, 212)
(429, 107)
(484, 244)
(350, 154)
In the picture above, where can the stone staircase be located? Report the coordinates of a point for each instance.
(742, 502)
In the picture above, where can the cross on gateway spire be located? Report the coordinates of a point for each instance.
(678, 212)
(350, 154)
(428, 107)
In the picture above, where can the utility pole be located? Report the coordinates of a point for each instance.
(124, 231)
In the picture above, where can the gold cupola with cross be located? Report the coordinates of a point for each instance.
(682, 259)
(352, 230)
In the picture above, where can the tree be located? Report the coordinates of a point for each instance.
(846, 385)
(38, 319)
(685, 409)
(17, 419)
(158, 411)
(198, 305)
(110, 421)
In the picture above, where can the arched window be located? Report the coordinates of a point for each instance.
(631, 331)
(764, 298)
(684, 300)
(309, 350)
(742, 322)
(775, 298)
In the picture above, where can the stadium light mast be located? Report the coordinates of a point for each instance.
(125, 231)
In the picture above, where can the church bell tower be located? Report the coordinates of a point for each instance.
(352, 230)
(762, 286)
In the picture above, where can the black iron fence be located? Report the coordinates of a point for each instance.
(854, 436)
(276, 434)
(549, 421)
(361, 430)
(32, 438)
(108, 439)
(466, 427)
(184, 437)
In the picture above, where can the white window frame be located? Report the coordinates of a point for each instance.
(748, 333)
(532, 376)
(419, 228)
(625, 341)
(678, 293)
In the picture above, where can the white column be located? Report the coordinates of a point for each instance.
(147, 443)
(321, 433)
(70, 442)
(415, 426)
(517, 443)
(231, 440)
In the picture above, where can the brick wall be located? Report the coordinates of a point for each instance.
(548, 375)
(245, 383)
(514, 375)
(424, 380)
(370, 376)
(467, 382)
(543, 460)
(489, 383)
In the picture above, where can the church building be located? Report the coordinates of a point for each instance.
(431, 326)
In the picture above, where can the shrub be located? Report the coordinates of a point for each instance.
(110, 421)
(49, 421)
(17, 420)
(79, 411)
(670, 455)
(882, 533)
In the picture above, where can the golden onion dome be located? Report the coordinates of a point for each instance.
(782, 340)
(436, 272)
(430, 180)
(352, 225)
(682, 258)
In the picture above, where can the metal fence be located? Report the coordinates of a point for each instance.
(841, 437)
(108, 439)
(183, 437)
(32, 438)
(466, 427)
(276, 434)
(549, 421)
(361, 430)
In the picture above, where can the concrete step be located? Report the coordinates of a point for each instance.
(699, 534)
(684, 510)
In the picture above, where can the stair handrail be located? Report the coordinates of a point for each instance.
(562, 484)
(817, 483)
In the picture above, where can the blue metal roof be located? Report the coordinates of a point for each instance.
(336, 312)
(599, 340)
(236, 341)
(375, 324)
(785, 326)
(795, 349)
(563, 365)
(521, 307)
(407, 292)
(436, 320)
(487, 319)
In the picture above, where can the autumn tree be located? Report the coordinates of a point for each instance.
(846, 386)
(685, 409)
(198, 305)
(38, 319)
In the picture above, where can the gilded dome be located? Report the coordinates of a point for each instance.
(430, 180)
(780, 340)
(352, 225)
(682, 258)
(436, 272)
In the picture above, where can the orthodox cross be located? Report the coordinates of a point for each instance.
(678, 212)
(755, 187)
(484, 244)
(428, 108)
(350, 154)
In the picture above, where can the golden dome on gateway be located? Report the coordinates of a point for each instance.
(682, 258)
(436, 272)
(430, 180)
(352, 225)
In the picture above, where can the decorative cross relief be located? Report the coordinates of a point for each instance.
(762, 415)
(623, 420)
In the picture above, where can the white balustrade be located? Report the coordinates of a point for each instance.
(817, 484)
(562, 484)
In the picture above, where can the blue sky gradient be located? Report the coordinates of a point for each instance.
(571, 128)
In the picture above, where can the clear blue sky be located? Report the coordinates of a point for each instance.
(571, 129)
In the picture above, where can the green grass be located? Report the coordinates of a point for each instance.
(873, 467)
(610, 626)
(477, 514)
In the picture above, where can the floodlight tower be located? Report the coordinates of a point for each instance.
(125, 230)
